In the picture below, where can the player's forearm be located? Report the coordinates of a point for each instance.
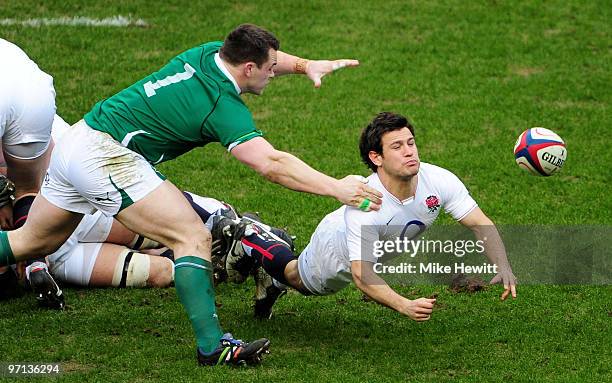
(293, 173)
(384, 295)
(377, 289)
(289, 64)
(493, 245)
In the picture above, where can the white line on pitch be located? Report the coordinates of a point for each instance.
(114, 21)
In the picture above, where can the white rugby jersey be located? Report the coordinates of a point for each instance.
(437, 189)
(15, 68)
(27, 97)
(14, 62)
(342, 234)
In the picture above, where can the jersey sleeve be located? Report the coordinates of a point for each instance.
(231, 123)
(361, 234)
(457, 201)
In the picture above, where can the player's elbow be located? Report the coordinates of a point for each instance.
(271, 167)
(357, 279)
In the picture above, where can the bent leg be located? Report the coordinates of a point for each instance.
(177, 226)
(272, 254)
(292, 275)
(118, 266)
(109, 265)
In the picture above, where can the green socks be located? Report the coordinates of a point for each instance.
(6, 254)
(194, 286)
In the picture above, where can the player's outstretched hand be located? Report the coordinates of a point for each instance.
(354, 191)
(508, 279)
(316, 69)
(418, 309)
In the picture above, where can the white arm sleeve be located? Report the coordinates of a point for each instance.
(457, 200)
(361, 234)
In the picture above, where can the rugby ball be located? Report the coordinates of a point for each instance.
(540, 151)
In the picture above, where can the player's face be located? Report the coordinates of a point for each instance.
(260, 77)
(400, 157)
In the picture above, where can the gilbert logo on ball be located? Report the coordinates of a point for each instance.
(540, 151)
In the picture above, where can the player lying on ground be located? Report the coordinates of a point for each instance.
(106, 163)
(103, 253)
(414, 194)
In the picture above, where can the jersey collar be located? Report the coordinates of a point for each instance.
(227, 74)
(387, 193)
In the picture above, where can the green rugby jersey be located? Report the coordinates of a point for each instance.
(186, 104)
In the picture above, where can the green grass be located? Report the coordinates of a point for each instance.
(470, 75)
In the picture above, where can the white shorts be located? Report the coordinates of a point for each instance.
(75, 260)
(60, 127)
(324, 266)
(27, 109)
(91, 171)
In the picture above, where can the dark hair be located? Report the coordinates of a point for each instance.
(371, 137)
(247, 43)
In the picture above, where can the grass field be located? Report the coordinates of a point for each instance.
(470, 75)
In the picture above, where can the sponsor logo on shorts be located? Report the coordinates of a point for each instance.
(104, 199)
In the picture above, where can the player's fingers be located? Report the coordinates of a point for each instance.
(427, 301)
(505, 293)
(339, 64)
(374, 198)
(366, 204)
(496, 279)
(513, 290)
(423, 310)
(372, 193)
(374, 206)
(425, 304)
(375, 202)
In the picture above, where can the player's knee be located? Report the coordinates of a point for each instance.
(204, 236)
(195, 240)
(35, 244)
(161, 273)
(40, 246)
(292, 274)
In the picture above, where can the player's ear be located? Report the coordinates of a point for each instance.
(248, 69)
(376, 158)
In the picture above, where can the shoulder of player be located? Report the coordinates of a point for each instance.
(205, 49)
(231, 107)
(436, 173)
(439, 181)
(202, 58)
(354, 216)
